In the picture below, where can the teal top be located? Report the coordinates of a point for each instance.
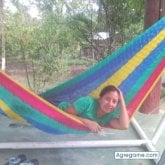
(87, 107)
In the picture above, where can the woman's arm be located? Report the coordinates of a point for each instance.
(123, 121)
(92, 125)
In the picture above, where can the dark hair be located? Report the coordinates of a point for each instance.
(109, 88)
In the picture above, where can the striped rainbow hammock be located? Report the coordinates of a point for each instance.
(135, 69)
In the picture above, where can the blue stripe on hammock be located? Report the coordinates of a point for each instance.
(149, 32)
(129, 82)
(44, 128)
(77, 90)
(31, 114)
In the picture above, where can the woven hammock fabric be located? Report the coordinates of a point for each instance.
(135, 68)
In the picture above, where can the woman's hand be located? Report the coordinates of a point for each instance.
(121, 98)
(92, 125)
(123, 121)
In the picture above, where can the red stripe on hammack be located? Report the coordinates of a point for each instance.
(132, 106)
(38, 103)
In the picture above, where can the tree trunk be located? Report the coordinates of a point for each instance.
(2, 37)
(154, 10)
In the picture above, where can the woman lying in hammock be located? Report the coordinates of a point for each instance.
(102, 112)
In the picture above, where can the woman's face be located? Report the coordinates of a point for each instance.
(109, 101)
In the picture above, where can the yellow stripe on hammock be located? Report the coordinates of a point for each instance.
(10, 113)
(53, 107)
(117, 78)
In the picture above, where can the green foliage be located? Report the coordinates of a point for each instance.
(120, 19)
(51, 44)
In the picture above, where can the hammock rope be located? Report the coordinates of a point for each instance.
(135, 68)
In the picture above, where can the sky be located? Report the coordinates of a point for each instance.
(33, 11)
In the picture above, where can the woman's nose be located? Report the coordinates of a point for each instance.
(109, 103)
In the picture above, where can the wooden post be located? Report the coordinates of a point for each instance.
(154, 10)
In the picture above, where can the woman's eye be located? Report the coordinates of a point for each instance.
(114, 101)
